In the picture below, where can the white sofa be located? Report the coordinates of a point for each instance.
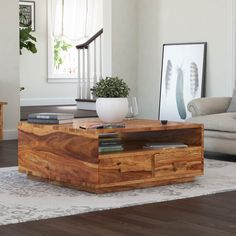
(219, 125)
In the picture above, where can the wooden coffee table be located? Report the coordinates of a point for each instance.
(68, 155)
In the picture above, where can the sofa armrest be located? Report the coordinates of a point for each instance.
(209, 105)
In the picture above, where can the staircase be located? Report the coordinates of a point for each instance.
(89, 70)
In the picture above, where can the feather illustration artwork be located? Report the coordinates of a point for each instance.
(194, 81)
(168, 75)
(180, 94)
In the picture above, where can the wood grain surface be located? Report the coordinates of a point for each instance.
(136, 125)
(68, 155)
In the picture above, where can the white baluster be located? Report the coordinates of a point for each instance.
(79, 95)
(85, 64)
(100, 51)
(88, 73)
(83, 80)
(95, 61)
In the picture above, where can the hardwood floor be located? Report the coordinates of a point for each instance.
(8, 153)
(207, 215)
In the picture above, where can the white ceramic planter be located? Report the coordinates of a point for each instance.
(111, 110)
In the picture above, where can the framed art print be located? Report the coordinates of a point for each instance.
(27, 14)
(182, 79)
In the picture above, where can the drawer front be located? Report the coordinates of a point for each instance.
(113, 170)
(178, 162)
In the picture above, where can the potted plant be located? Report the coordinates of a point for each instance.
(27, 41)
(111, 103)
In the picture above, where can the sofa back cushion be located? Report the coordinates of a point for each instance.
(224, 122)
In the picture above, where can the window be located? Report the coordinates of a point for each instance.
(70, 22)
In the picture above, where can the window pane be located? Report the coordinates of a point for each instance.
(65, 58)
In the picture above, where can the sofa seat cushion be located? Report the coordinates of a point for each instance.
(219, 135)
(225, 122)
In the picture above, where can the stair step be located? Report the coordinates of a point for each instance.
(86, 104)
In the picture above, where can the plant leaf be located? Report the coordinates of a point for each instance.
(27, 40)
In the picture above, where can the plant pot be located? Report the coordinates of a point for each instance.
(111, 110)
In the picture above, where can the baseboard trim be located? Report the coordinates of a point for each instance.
(10, 134)
(24, 102)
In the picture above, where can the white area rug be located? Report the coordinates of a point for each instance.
(22, 199)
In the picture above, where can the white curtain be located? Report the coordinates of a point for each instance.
(76, 19)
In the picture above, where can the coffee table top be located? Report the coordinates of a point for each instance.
(135, 125)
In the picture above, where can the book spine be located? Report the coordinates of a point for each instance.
(51, 117)
(115, 149)
(43, 121)
(32, 116)
(46, 117)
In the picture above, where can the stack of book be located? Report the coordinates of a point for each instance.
(110, 142)
(50, 118)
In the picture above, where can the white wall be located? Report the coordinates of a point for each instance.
(9, 66)
(124, 41)
(171, 21)
(120, 57)
(107, 38)
(33, 69)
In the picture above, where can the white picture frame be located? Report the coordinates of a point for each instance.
(182, 79)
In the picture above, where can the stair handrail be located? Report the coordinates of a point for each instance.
(90, 40)
(86, 68)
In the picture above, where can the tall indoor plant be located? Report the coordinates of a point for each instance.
(111, 103)
(27, 40)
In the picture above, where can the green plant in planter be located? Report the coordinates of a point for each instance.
(111, 87)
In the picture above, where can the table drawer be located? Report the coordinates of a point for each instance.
(125, 168)
(178, 161)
